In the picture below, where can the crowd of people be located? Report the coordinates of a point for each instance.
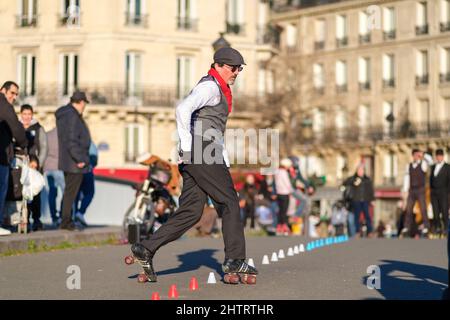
(64, 155)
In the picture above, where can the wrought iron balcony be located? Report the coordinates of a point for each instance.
(26, 21)
(422, 29)
(133, 19)
(186, 23)
(389, 35)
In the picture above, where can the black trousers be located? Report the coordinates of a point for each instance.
(249, 212)
(34, 209)
(413, 196)
(200, 181)
(73, 183)
(439, 201)
(283, 205)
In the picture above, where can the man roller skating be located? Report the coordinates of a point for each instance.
(201, 120)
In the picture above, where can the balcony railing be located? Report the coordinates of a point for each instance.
(444, 77)
(364, 38)
(65, 20)
(351, 134)
(388, 83)
(364, 86)
(26, 21)
(319, 45)
(235, 28)
(185, 23)
(422, 80)
(340, 88)
(444, 26)
(133, 19)
(389, 35)
(268, 35)
(319, 90)
(291, 49)
(342, 42)
(422, 29)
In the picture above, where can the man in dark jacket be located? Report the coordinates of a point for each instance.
(10, 128)
(74, 141)
(440, 188)
(361, 194)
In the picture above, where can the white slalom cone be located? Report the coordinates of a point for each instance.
(265, 259)
(274, 257)
(290, 252)
(212, 278)
(302, 248)
(281, 254)
(251, 263)
(296, 250)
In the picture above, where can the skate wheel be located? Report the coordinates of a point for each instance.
(142, 278)
(231, 278)
(129, 260)
(248, 278)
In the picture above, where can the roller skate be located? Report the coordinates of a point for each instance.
(238, 271)
(142, 256)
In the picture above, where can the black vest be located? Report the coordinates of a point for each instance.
(416, 176)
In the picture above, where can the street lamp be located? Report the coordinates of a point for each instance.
(220, 43)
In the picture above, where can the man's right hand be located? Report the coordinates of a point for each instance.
(81, 165)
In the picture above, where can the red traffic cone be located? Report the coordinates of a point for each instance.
(155, 296)
(193, 285)
(173, 292)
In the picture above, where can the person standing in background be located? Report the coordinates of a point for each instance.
(37, 147)
(54, 177)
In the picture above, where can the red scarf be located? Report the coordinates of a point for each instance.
(223, 86)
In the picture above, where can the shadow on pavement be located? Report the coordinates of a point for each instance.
(194, 260)
(410, 281)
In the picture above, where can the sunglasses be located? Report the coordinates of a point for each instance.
(234, 68)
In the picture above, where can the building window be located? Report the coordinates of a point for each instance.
(340, 122)
(27, 14)
(319, 78)
(70, 13)
(235, 17)
(421, 18)
(341, 167)
(388, 119)
(388, 71)
(444, 75)
(185, 71)
(447, 109)
(389, 22)
(26, 71)
(291, 38)
(341, 76)
(135, 13)
(421, 67)
(363, 120)
(364, 73)
(364, 32)
(341, 31)
(186, 19)
(445, 15)
(424, 116)
(133, 74)
(134, 141)
(68, 73)
(390, 165)
(318, 125)
(320, 31)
